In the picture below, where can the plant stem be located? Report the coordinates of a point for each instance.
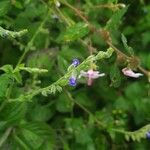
(5, 136)
(84, 108)
(21, 142)
(30, 43)
(92, 28)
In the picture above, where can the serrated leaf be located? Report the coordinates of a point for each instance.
(115, 20)
(5, 80)
(115, 76)
(128, 48)
(17, 76)
(75, 32)
(13, 112)
(36, 134)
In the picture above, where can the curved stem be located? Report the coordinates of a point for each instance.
(5, 136)
(84, 108)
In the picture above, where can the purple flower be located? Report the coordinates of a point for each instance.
(75, 62)
(72, 81)
(148, 134)
(128, 72)
(91, 74)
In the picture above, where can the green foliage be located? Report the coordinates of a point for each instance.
(39, 42)
(115, 76)
(35, 134)
(4, 6)
(137, 135)
(127, 48)
(11, 34)
(75, 32)
(5, 81)
(114, 21)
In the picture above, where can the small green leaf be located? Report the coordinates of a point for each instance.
(75, 32)
(115, 20)
(128, 48)
(5, 80)
(127, 137)
(7, 68)
(17, 77)
(115, 76)
(18, 4)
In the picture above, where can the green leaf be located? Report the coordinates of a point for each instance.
(5, 80)
(17, 76)
(36, 134)
(80, 130)
(13, 112)
(75, 32)
(127, 137)
(64, 104)
(115, 20)
(41, 113)
(42, 59)
(134, 91)
(4, 7)
(128, 48)
(18, 4)
(62, 64)
(115, 76)
(7, 68)
(82, 136)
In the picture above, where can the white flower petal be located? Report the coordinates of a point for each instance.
(98, 75)
(128, 72)
(83, 74)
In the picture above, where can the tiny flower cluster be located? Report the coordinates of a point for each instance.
(73, 78)
(91, 74)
